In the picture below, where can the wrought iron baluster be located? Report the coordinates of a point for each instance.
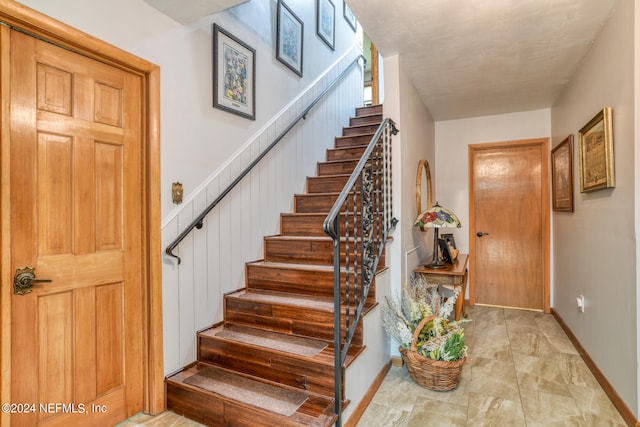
(367, 224)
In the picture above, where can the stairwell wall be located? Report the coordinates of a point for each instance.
(206, 148)
(414, 142)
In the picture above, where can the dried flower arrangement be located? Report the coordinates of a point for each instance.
(439, 339)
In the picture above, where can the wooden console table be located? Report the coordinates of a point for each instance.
(452, 275)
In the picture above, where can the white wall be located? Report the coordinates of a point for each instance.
(375, 358)
(413, 143)
(452, 156)
(595, 249)
(206, 148)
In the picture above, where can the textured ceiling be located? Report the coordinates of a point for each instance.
(470, 58)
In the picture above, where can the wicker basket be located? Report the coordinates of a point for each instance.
(436, 375)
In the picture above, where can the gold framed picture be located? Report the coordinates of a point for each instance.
(562, 175)
(596, 153)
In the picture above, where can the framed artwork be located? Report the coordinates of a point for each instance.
(596, 153)
(562, 175)
(349, 16)
(234, 74)
(326, 22)
(290, 35)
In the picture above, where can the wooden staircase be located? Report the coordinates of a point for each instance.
(273, 353)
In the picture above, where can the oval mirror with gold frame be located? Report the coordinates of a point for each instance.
(423, 188)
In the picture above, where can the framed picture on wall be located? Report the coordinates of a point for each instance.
(234, 74)
(562, 175)
(349, 16)
(290, 35)
(596, 153)
(326, 22)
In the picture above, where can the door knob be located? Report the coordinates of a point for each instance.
(480, 234)
(24, 279)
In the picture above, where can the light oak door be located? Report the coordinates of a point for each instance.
(509, 233)
(76, 180)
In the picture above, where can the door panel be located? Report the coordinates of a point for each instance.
(77, 218)
(510, 211)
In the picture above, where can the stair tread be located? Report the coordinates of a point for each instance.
(318, 351)
(369, 114)
(310, 214)
(335, 175)
(341, 160)
(314, 303)
(314, 238)
(356, 135)
(342, 214)
(352, 147)
(253, 393)
(362, 125)
(328, 163)
(306, 238)
(292, 345)
(293, 266)
(330, 193)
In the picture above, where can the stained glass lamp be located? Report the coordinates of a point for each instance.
(437, 217)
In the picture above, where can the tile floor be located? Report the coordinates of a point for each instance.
(522, 370)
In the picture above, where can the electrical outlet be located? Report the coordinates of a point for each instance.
(580, 303)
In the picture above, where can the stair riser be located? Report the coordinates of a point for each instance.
(312, 224)
(271, 365)
(353, 141)
(337, 168)
(359, 130)
(314, 203)
(345, 153)
(317, 203)
(364, 111)
(309, 225)
(285, 319)
(328, 184)
(213, 410)
(308, 252)
(366, 120)
(305, 252)
(303, 282)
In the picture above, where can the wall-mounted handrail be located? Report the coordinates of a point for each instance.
(363, 211)
(198, 222)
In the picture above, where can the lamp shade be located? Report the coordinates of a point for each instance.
(437, 217)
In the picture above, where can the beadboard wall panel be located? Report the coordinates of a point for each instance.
(214, 257)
